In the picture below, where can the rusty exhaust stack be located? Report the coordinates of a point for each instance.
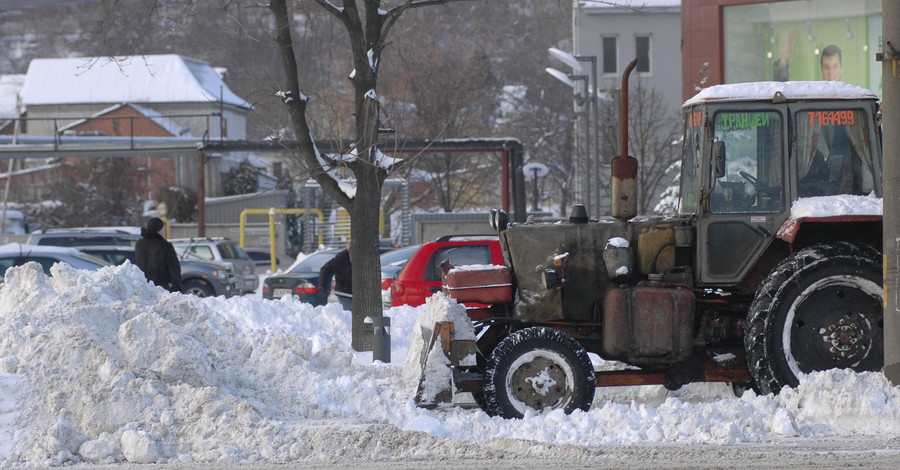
(624, 167)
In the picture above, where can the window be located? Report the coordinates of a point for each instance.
(610, 53)
(690, 161)
(203, 252)
(642, 50)
(750, 179)
(462, 255)
(833, 153)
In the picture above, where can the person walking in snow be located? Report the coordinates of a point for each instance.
(156, 257)
(340, 268)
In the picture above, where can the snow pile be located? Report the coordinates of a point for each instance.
(100, 367)
(438, 308)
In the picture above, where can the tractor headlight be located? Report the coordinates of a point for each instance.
(551, 279)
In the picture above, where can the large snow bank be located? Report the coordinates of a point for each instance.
(100, 367)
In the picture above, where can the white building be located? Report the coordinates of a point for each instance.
(647, 30)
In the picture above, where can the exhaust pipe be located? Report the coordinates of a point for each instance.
(624, 167)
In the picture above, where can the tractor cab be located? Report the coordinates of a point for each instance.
(752, 150)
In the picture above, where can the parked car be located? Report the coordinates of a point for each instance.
(17, 254)
(262, 258)
(74, 237)
(198, 277)
(421, 276)
(392, 262)
(222, 250)
(301, 280)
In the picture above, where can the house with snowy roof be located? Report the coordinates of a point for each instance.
(190, 92)
(141, 96)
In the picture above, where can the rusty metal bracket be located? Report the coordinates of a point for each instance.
(892, 54)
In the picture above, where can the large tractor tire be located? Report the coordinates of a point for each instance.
(819, 309)
(538, 369)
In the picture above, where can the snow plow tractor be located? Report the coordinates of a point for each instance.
(771, 269)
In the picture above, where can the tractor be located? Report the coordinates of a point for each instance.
(771, 268)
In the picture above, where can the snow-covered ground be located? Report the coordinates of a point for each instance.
(101, 368)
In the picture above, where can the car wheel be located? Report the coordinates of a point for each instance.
(198, 288)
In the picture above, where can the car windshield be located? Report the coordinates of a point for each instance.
(314, 262)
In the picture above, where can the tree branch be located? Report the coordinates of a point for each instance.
(296, 105)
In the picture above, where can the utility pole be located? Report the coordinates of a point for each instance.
(890, 110)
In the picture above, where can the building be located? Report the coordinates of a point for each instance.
(614, 34)
(143, 96)
(731, 41)
(647, 30)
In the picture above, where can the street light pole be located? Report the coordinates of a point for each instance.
(582, 187)
(592, 90)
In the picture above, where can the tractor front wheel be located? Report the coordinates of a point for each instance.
(538, 369)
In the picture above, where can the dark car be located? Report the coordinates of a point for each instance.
(301, 280)
(262, 258)
(198, 277)
(77, 237)
(16, 254)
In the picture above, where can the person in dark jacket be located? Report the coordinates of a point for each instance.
(156, 257)
(338, 267)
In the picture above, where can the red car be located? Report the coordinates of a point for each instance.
(421, 276)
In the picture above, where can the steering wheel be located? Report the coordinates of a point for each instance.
(760, 186)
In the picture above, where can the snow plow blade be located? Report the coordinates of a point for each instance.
(440, 363)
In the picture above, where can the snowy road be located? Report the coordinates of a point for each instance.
(518, 454)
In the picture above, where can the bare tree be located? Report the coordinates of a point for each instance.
(367, 24)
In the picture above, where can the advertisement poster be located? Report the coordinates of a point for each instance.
(804, 40)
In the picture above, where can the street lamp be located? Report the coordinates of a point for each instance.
(585, 102)
(534, 172)
(574, 61)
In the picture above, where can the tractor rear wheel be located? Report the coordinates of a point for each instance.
(819, 309)
(538, 369)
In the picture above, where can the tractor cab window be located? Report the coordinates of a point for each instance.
(747, 161)
(690, 162)
(833, 155)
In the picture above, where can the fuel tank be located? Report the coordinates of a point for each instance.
(649, 323)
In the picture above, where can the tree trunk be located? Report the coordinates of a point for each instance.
(364, 256)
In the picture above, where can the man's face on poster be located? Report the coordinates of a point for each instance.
(831, 67)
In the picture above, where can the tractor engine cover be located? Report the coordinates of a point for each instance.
(649, 323)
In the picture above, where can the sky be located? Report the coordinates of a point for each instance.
(101, 367)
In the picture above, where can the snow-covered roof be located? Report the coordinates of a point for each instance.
(639, 5)
(9, 91)
(765, 91)
(167, 78)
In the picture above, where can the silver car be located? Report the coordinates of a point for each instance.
(222, 250)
